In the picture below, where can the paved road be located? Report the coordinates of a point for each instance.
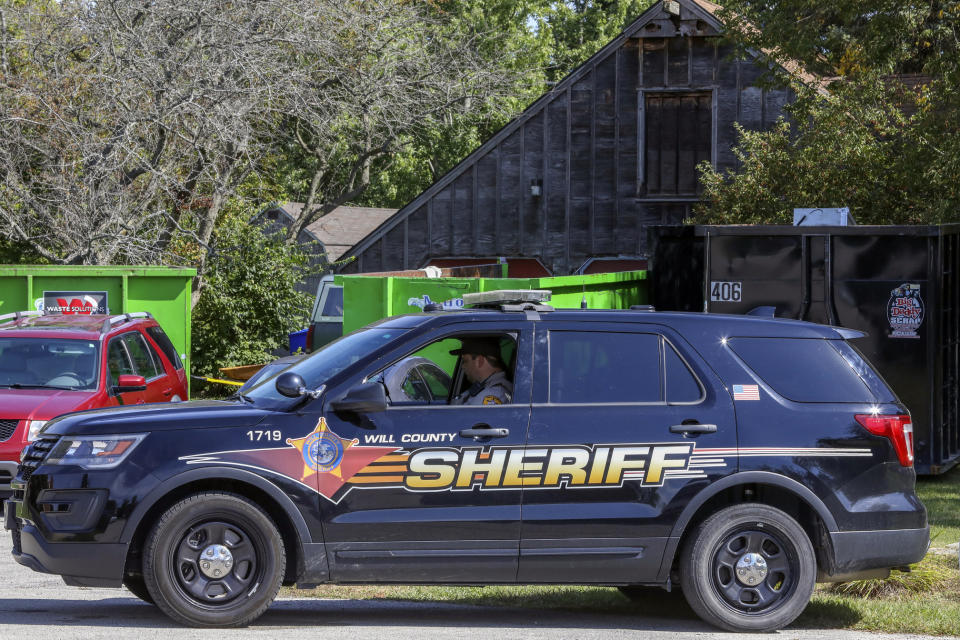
(36, 606)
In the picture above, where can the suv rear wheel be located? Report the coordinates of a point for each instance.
(214, 560)
(748, 568)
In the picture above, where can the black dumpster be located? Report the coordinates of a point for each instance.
(899, 284)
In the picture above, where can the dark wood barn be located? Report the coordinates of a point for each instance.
(610, 149)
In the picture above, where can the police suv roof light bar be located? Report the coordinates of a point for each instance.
(510, 299)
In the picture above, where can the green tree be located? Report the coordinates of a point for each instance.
(249, 303)
(875, 131)
(580, 28)
(13, 252)
(503, 34)
(840, 39)
(538, 41)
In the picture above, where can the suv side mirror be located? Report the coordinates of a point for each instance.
(127, 383)
(291, 384)
(368, 397)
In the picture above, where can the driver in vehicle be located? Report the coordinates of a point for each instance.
(483, 365)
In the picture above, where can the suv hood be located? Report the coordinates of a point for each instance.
(165, 416)
(41, 404)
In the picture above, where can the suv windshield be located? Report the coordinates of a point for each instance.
(47, 362)
(322, 365)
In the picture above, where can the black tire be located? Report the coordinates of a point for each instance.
(138, 587)
(251, 559)
(746, 533)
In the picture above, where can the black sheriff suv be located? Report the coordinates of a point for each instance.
(740, 458)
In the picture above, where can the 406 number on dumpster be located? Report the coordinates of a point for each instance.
(726, 291)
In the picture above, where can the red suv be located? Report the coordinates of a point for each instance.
(55, 364)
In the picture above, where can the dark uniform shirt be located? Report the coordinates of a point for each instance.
(496, 389)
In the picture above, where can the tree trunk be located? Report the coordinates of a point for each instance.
(204, 234)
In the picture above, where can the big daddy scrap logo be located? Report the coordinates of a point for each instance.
(332, 466)
(905, 311)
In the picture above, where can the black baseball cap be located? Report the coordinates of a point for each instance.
(479, 347)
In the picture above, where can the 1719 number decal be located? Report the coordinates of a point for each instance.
(258, 434)
(726, 291)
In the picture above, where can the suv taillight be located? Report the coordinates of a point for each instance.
(897, 428)
(309, 347)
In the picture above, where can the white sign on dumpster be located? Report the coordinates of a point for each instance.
(835, 217)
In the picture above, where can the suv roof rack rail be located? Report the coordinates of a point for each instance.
(125, 317)
(643, 307)
(17, 315)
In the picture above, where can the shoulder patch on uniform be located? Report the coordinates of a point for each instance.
(492, 400)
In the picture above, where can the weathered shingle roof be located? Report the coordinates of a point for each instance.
(341, 228)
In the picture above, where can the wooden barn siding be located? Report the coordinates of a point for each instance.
(583, 147)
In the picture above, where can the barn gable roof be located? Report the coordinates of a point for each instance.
(655, 17)
(696, 18)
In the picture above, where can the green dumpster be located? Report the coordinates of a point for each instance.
(163, 291)
(370, 298)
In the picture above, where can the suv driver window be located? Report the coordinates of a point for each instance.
(414, 380)
(414, 387)
(483, 373)
(437, 381)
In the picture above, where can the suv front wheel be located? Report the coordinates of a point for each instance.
(748, 568)
(214, 560)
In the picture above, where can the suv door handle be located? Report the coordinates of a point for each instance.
(694, 428)
(484, 431)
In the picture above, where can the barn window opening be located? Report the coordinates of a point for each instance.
(677, 133)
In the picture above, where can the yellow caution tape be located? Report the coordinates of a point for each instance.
(231, 382)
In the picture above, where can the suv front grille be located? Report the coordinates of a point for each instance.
(35, 454)
(7, 427)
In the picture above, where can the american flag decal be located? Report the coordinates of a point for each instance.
(746, 392)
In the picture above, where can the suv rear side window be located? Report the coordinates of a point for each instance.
(142, 358)
(595, 367)
(118, 362)
(333, 305)
(682, 385)
(165, 345)
(802, 369)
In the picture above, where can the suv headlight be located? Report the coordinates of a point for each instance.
(33, 429)
(95, 452)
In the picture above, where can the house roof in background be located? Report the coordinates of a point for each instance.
(341, 228)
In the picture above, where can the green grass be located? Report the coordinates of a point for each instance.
(941, 495)
(935, 574)
(934, 609)
(925, 600)
(928, 602)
